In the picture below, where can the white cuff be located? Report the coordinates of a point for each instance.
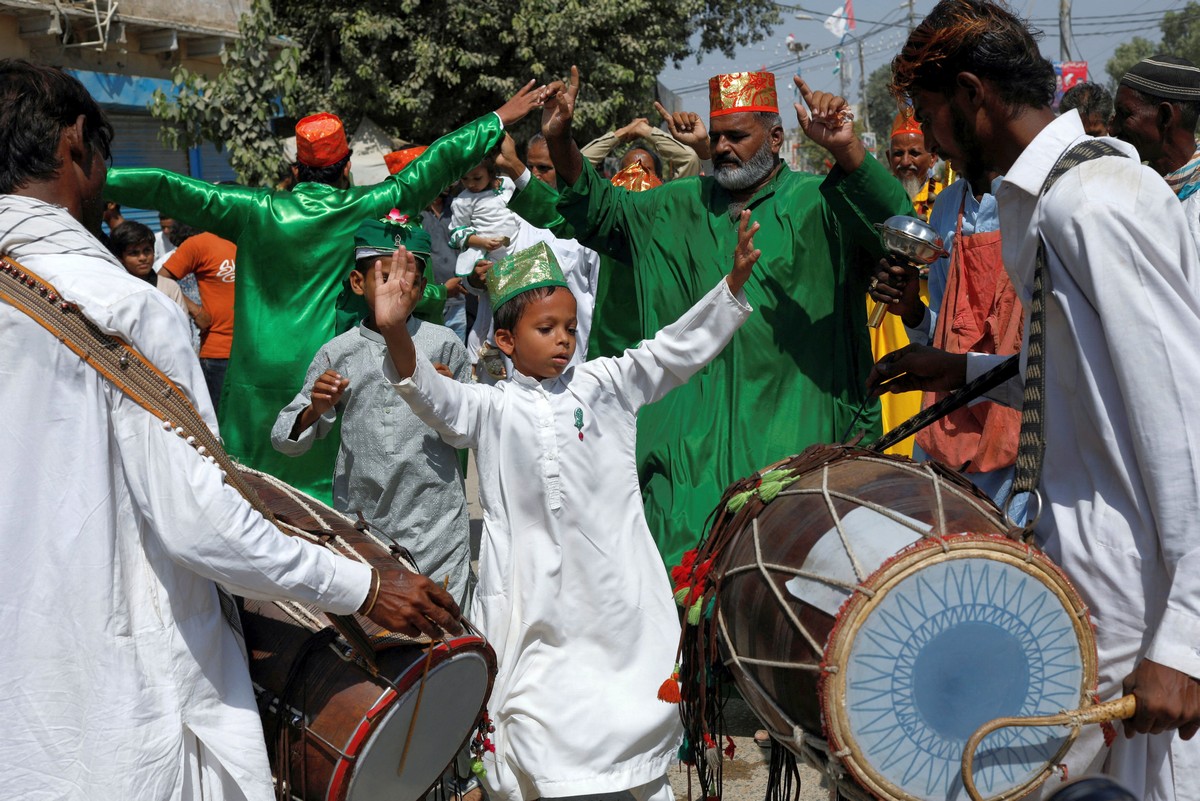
(522, 180)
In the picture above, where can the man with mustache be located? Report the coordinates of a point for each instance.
(911, 160)
(792, 375)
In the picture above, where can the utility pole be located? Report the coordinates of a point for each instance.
(912, 17)
(862, 89)
(1064, 30)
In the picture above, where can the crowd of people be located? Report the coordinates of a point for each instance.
(617, 332)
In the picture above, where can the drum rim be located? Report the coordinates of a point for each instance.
(831, 687)
(341, 779)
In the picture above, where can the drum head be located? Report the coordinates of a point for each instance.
(455, 690)
(947, 640)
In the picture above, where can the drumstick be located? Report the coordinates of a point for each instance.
(412, 723)
(1119, 709)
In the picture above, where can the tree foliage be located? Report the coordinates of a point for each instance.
(1181, 37)
(421, 69)
(234, 110)
(881, 105)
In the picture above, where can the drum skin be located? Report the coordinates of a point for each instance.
(754, 622)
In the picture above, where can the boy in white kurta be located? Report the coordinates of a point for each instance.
(571, 591)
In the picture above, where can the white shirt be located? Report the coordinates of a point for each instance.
(572, 593)
(120, 674)
(1121, 477)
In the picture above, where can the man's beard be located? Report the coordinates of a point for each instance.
(912, 184)
(973, 162)
(748, 173)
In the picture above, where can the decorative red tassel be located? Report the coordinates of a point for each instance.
(668, 692)
(730, 748)
(1110, 733)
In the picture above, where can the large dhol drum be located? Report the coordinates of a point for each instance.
(341, 727)
(874, 615)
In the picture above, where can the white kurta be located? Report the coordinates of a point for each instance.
(1121, 476)
(572, 594)
(120, 679)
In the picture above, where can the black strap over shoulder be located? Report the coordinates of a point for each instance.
(1031, 445)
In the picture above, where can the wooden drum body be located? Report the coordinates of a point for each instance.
(377, 718)
(873, 614)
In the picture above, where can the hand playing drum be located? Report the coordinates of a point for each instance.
(411, 604)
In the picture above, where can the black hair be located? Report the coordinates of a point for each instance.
(36, 104)
(182, 232)
(509, 314)
(981, 37)
(127, 236)
(306, 174)
(1090, 98)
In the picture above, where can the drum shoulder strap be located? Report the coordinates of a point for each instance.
(1031, 443)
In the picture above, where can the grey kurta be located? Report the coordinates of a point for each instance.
(391, 466)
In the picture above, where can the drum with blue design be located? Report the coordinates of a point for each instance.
(874, 615)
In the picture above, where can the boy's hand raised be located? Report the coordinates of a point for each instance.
(745, 256)
(527, 98)
(397, 294)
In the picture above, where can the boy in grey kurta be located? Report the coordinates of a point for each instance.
(392, 467)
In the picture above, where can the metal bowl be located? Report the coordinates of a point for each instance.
(911, 239)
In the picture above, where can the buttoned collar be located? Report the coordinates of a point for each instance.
(530, 382)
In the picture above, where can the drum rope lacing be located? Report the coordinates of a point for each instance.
(701, 711)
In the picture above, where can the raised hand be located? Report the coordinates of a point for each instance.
(636, 128)
(411, 604)
(829, 122)
(558, 106)
(527, 98)
(327, 390)
(687, 128)
(507, 160)
(398, 291)
(745, 256)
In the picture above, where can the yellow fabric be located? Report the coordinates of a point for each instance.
(923, 202)
(895, 409)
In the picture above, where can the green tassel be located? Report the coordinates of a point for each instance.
(478, 769)
(693, 615)
(739, 500)
(682, 594)
(769, 490)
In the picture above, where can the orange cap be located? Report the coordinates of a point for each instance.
(397, 160)
(742, 91)
(321, 140)
(906, 123)
(635, 178)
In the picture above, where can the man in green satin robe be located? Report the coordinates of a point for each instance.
(294, 250)
(794, 374)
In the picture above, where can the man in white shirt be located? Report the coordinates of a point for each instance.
(121, 678)
(1120, 481)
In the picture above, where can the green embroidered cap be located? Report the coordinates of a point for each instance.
(383, 237)
(527, 269)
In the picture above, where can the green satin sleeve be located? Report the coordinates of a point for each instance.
(862, 198)
(433, 300)
(537, 204)
(444, 162)
(224, 210)
(601, 216)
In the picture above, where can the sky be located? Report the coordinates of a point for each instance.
(1098, 27)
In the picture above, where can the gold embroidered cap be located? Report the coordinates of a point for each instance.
(735, 92)
(527, 269)
(635, 178)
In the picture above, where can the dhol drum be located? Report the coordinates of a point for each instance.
(341, 727)
(874, 615)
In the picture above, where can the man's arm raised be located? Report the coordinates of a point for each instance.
(558, 112)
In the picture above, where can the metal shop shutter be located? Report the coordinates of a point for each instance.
(135, 144)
